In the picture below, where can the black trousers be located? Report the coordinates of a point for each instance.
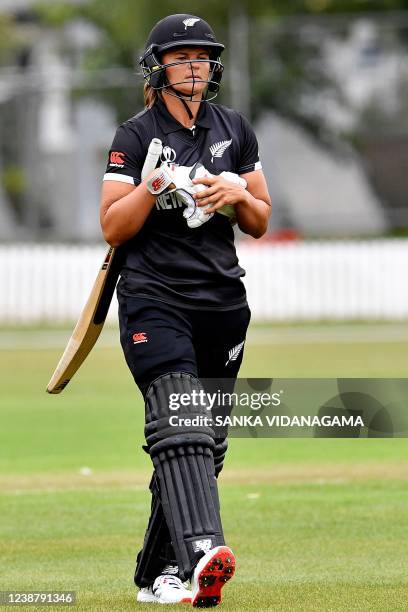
(158, 338)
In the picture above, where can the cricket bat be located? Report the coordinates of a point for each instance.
(94, 313)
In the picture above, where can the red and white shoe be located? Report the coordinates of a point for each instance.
(166, 589)
(210, 574)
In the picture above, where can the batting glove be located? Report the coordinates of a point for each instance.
(194, 214)
(229, 210)
(170, 178)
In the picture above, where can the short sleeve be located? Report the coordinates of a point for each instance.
(126, 157)
(249, 152)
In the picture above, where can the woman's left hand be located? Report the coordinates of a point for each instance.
(220, 192)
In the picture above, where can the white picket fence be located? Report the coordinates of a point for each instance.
(294, 281)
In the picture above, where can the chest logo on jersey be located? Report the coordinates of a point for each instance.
(168, 201)
(168, 155)
(218, 149)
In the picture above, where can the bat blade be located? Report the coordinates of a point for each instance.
(93, 315)
(90, 323)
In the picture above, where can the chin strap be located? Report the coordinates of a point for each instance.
(186, 106)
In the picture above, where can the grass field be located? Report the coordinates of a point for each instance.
(316, 524)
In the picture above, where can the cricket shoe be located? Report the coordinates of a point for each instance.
(166, 589)
(210, 574)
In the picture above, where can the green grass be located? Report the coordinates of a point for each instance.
(316, 524)
(304, 546)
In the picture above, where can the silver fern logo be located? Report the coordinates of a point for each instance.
(234, 352)
(188, 23)
(218, 149)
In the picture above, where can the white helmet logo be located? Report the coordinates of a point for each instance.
(168, 155)
(188, 23)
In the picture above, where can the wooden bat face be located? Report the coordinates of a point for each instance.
(93, 315)
(90, 322)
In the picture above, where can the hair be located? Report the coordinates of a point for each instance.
(150, 95)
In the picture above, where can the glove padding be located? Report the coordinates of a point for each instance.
(194, 214)
(228, 209)
(173, 179)
(168, 178)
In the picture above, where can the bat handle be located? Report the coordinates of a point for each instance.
(153, 154)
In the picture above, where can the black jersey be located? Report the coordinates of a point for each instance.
(167, 260)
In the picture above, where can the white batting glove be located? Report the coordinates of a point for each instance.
(234, 178)
(161, 181)
(194, 214)
(229, 210)
(182, 178)
(170, 178)
(177, 179)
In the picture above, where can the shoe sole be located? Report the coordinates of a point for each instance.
(156, 600)
(145, 598)
(150, 598)
(213, 571)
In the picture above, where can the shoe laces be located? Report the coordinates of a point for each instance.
(167, 580)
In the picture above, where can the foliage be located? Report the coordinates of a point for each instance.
(14, 181)
(125, 29)
(8, 38)
(286, 64)
(290, 72)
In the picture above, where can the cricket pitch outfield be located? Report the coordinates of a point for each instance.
(316, 524)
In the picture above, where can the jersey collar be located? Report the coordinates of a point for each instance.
(169, 124)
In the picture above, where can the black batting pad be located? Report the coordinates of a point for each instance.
(184, 465)
(157, 550)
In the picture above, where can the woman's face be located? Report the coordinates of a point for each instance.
(191, 77)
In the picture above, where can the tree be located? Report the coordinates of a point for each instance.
(8, 38)
(284, 64)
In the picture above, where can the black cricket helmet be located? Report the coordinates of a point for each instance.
(180, 30)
